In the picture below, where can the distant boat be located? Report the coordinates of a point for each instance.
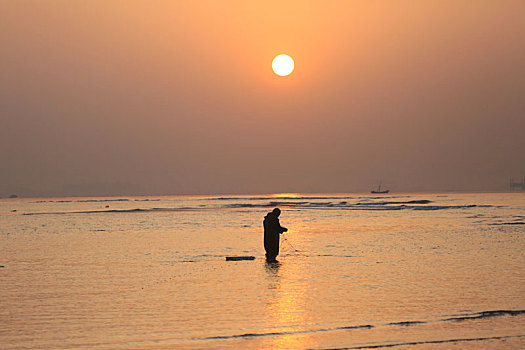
(378, 191)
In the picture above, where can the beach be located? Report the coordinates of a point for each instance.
(356, 271)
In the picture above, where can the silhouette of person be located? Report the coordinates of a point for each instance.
(272, 230)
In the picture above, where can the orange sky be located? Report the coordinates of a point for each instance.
(169, 97)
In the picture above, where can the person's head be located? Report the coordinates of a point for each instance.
(276, 211)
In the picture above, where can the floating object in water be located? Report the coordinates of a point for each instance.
(237, 258)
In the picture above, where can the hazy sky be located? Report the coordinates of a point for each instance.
(178, 97)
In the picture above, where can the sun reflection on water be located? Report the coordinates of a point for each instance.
(286, 309)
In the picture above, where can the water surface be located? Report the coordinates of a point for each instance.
(356, 271)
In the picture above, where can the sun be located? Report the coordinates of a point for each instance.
(282, 65)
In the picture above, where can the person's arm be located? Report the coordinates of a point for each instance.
(281, 229)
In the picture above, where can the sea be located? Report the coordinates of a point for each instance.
(355, 271)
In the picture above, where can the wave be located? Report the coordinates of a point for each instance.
(284, 204)
(135, 210)
(456, 340)
(406, 323)
(422, 201)
(266, 334)
(357, 206)
(485, 314)
(85, 201)
(308, 198)
(508, 223)
(462, 317)
(96, 200)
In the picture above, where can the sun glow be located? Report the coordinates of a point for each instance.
(286, 195)
(283, 65)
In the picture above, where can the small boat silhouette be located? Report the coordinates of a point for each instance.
(378, 191)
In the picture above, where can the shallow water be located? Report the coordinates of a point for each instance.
(356, 271)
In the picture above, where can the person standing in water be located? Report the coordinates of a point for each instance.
(272, 230)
